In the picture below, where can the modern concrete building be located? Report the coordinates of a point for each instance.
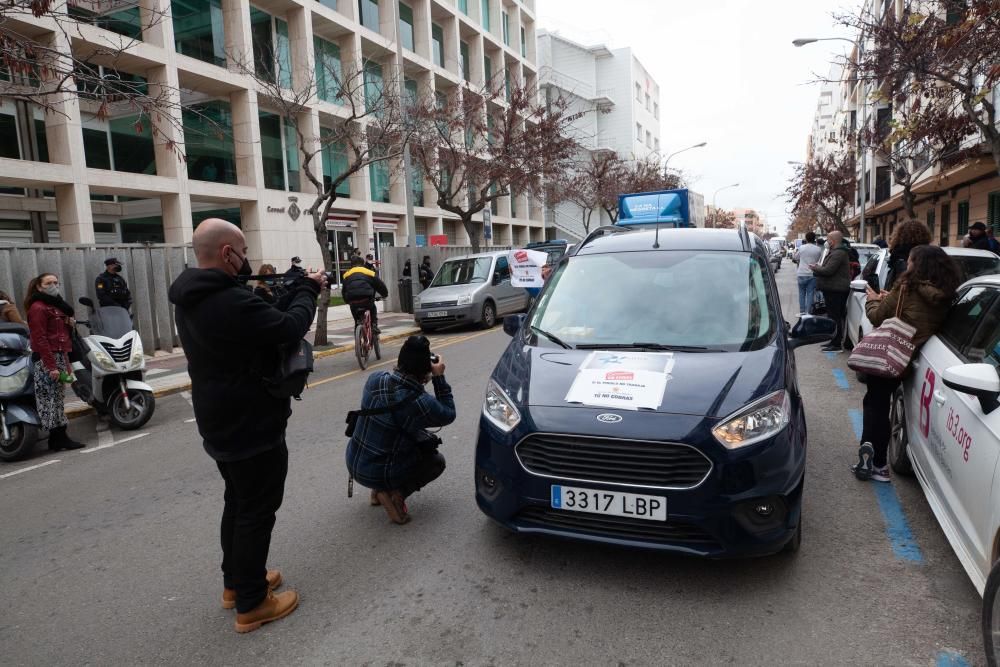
(824, 138)
(598, 78)
(109, 180)
(751, 219)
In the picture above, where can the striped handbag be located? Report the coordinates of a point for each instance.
(886, 351)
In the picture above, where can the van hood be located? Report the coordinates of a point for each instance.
(703, 384)
(448, 293)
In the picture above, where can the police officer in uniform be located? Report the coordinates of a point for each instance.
(112, 290)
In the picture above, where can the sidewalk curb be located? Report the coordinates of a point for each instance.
(186, 386)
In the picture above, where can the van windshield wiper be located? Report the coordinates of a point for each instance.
(551, 337)
(646, 346)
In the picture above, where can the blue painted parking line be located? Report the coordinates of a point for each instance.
(897, 528)
(830, 355)
(840, 378)
(949, 658)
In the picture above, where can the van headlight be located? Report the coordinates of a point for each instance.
(499, 409)
(758, 421)
(464, 300)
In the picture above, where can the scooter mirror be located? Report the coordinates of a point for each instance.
(87, 301)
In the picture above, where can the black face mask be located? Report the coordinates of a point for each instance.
(244, 269)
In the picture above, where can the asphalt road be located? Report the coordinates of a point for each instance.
(110, 557)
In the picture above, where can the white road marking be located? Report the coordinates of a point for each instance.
(190, 421)
(113, 443)
(153, 372)
(34, 467)
(187, 397)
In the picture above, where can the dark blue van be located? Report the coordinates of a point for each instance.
(649, 399)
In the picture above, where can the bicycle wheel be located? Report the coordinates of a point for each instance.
(376, 346)
(360, 346)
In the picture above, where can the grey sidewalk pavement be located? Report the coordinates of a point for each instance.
(167, 373)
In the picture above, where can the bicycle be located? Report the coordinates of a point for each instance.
(365, 340)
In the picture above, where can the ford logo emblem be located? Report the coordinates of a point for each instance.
(608, 418)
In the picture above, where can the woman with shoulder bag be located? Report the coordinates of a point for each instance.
(50, 319)
(920, 298)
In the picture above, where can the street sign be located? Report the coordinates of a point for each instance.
(487, 224)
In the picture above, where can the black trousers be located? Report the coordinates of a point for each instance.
(836, 308)
(876, 427)
(254, 490)
(431, 467)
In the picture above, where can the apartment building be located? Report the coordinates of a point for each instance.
(751, 219)
(824, 138)
(105, 179)
(613, 81)
(950, 195)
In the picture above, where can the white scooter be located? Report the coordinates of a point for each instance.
(109, 368)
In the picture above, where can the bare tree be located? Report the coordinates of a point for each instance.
(483, 144)
(721, 219)
(644, 175)
(373, 121)
(824, 185)
(587, 184)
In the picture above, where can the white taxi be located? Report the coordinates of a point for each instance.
(946, 430)
(973, 263)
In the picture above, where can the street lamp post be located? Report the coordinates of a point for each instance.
(862, 189)
(666, 160)
(715, 210)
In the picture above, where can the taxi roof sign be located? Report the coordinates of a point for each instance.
(647, 208)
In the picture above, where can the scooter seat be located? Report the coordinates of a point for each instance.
(14, 328)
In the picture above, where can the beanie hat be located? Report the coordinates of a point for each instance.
(415, 356)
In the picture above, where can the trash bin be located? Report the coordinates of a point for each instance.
(406, 295)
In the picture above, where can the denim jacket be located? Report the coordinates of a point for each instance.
(379, 454)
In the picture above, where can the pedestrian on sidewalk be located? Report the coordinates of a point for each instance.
(391, 452)
(808, 253)
(926, 290)
(905, 237)
(232, 339)
(50, 320)
(833, 278)
(425, 273)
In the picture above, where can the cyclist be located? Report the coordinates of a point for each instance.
(359, 287)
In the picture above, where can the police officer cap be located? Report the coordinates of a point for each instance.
(296, 260)
(110, 261)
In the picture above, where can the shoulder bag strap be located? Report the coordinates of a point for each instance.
(899, 301)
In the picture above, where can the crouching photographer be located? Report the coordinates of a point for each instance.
(390, 450)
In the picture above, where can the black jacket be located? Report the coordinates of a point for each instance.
(980, 243)
(426, 274)
(898, 257)
(231, 338)
(361, 284)
(112, 290)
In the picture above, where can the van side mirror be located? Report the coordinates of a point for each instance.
(497, 279)
(810, 330)
(87, 301)
(513, 323)
(979, 380)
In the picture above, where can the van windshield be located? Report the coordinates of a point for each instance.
(715, 300)
(463, 271)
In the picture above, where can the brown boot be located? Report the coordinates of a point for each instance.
(273, 607)
(229, 595)
(394, 506)
(373, 499)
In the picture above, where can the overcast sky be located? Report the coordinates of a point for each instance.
(728, 75)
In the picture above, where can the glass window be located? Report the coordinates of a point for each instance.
(9, 147)
(334, 162)
(463, 6)
(503, 268)
(463, 271)
(488, 69)
(417, 185)
(486, 15)
(437, 44)
(656, 111)
(963, 218)
(125, 22)
(373, 85)
(580, 307)
(985, 345)
(199, 30)
(993, 212)
(930, 221)
(132, 144)
(507, 83)
(95, 147)
(210, 155)
(973, 266)
(271, 151)
(463, 52)
(524, 44)
(964, 316)
(292, 156)
(378, 176)
(328, 69)
(649, 139)
(505, 25)
(263, 44)
(283, 56)
(143, 230)
(649, 106)
(42, 139)
(638, 132)
(410, 86)
(368, 11)
(638, 92)
(406, 26)
(332, 4)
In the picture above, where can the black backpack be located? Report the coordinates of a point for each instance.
(294, 366)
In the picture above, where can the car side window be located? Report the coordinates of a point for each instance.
(964, 318)
(984, 346)
(503, 268)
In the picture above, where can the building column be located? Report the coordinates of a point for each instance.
(64, 134)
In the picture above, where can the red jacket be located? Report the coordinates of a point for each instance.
(49, 329)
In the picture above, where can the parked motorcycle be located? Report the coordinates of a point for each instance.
(19, 423)
(109, 367)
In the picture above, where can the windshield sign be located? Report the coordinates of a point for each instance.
(702, 300)
(463, 271)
